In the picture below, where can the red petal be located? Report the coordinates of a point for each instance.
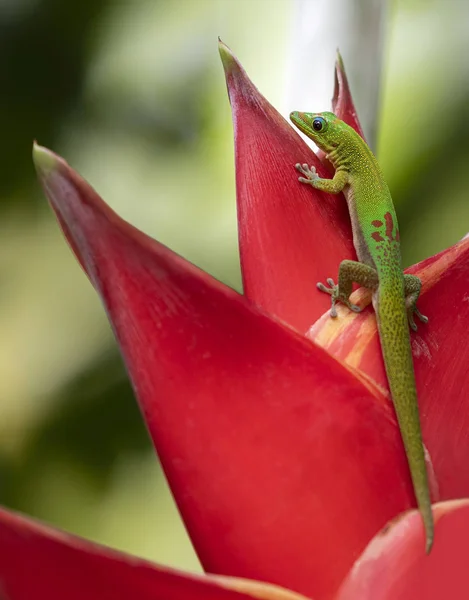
(289, 233)
(342, 102)
(282, 462)
(441, 357)
(39, 563)
(395, 567)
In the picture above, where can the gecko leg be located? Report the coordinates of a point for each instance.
(412, 285)
(332, 186)
(349, 271)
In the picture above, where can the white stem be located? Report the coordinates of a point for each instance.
(356, 27)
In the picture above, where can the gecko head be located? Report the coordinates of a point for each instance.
(325, 129)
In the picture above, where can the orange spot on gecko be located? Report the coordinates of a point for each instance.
(377, 223)
(377, 236)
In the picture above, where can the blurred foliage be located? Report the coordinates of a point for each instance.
(132, 94)
(86, 424)
(92, 421)
(44, 50)
(424, 141)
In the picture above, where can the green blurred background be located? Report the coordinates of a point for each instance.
(132, 93)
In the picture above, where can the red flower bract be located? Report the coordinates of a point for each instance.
(283, 227)
(284, 460)
(393, 567)
(42, 564)
(252, 422)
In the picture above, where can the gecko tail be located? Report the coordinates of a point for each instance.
(430, 533)
(397, 354)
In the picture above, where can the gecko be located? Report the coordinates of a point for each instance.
(394, 294)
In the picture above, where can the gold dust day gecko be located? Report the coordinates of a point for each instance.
(394, 294)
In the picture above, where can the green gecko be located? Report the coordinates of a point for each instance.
(394, 294)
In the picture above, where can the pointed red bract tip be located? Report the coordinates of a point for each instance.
(48, 168)
(227, 57)
(45, 161)
(290, 235)
(342, 102)
(395, 566)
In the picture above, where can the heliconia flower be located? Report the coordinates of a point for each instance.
(272, 422)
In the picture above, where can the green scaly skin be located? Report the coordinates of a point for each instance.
(376, 241)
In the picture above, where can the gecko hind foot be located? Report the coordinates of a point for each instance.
(412, 287)
(333, 291)
(413, 310)
(327, 290)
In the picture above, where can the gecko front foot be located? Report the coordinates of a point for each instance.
(336, 296)
(308, 172)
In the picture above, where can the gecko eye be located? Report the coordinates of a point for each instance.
(319, 124)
